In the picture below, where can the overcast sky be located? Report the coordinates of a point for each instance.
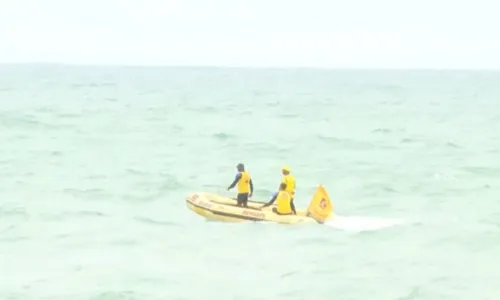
(318, 33)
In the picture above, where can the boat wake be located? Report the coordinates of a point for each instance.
(358, 223)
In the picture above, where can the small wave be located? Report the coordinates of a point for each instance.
(96, 176)
(8, 228)
(124, 242)
(14, 239)
(154, 222)
(413, 294)
(329, 138)
(68, 115)
(488, 171)
(141, 197)
(246, 113)
(222, 136)
(128, 295)
(382, 130)
(452, 145)
(90, 213)
(288, 274)
(289, 116)
(444, 177)
(170, 185)
(136, 172)
(390, 190)
(29, 121)
(93, 84)
(77, 193)
(15, 211)
(176, 129)
(349, 143)
(204, 109)
(313, 240)
(20, 120)
(358, 223)
(73, 214)
(407, 141)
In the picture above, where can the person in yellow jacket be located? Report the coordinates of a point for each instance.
(283, 201)
(289, 181)
(245, 185)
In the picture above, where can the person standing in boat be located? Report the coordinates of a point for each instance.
(283, 203)
(245, 185)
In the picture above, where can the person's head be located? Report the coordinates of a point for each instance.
(240, 167)
(285, 170)
(282, 186)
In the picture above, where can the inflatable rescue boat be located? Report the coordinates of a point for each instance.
(216, 207)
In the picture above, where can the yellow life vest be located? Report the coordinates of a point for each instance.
(283, 202)
(244, 183)
(289, 180)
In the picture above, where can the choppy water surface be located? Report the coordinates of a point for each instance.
(95, 164)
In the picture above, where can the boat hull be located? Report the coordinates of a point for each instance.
(215, 207)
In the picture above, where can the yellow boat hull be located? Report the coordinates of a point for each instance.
(219, 208)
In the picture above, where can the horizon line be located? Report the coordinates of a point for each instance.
(258, 67)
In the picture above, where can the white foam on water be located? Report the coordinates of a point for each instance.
(359, 223)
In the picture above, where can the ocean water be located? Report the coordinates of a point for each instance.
(95, 164)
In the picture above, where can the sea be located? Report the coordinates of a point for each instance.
(96, 163)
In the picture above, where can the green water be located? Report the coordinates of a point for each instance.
(95, 164)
